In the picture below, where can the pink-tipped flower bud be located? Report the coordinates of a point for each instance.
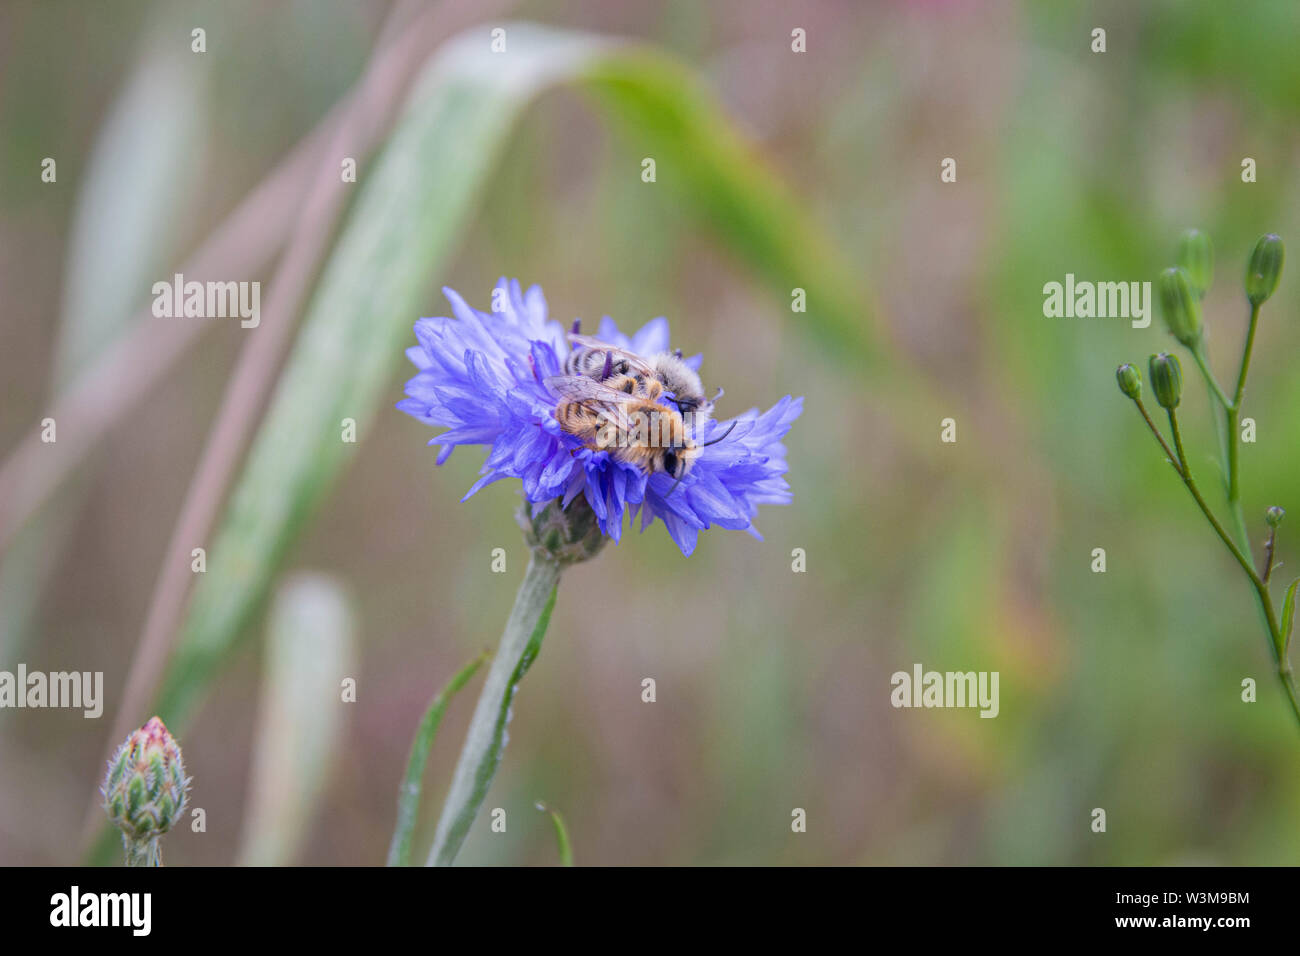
(145, 790)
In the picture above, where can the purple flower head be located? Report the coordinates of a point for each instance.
(481, 376)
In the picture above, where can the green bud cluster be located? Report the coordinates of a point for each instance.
(1181, 289)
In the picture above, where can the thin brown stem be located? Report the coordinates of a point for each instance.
(1268, 554)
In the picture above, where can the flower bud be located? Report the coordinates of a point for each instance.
(1196, 256)
(1130, 380)
(1273, 516)
(567, 535)
(1181, 306)
(1166, 379)
(145, 790)
(1264, 269)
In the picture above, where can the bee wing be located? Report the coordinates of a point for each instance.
(633, 360)
(580, 388)
(609, 403)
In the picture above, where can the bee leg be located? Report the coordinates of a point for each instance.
(609, 366)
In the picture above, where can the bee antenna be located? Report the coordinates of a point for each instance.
(674, 487)
(720, 437)
(719, 395)
(609, 366)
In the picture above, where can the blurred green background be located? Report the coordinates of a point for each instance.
(1118, 690)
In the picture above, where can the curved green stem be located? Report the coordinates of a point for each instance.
(561, 834)
(486, 738)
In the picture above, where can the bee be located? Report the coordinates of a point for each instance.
(623, 416)
(600, 361)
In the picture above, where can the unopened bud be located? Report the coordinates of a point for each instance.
(1264, 268)
(1181, 306)
(567, 535)
(1273, 516)
(1130, 380)
(1166, 379)
(145, 790)
(1196, 256)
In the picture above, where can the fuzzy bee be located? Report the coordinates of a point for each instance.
(600, 361)
(623, 416)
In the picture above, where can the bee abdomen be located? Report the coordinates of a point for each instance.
(576, 362)
(591, 363)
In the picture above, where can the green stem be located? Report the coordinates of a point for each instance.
(1234, 490)
(486, 737)
(1226, 427)
(561, 835)
(408, 797)
(1190, 482)
(1261, 588)
(1173, 459)
(142, 852)
(1245, 357)
(1233, 416)
(1198, 353)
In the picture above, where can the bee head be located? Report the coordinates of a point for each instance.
(677, 459)
(671, 463)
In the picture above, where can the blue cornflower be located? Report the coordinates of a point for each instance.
(481, 376)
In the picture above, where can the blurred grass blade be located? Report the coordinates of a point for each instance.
(131, 200)
(408, 798)
(137, 185)
(561, 835)
(411, 209)
(310, 650)
(663, 111)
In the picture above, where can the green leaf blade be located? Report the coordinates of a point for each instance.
(1288, 616)
(408, 798)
